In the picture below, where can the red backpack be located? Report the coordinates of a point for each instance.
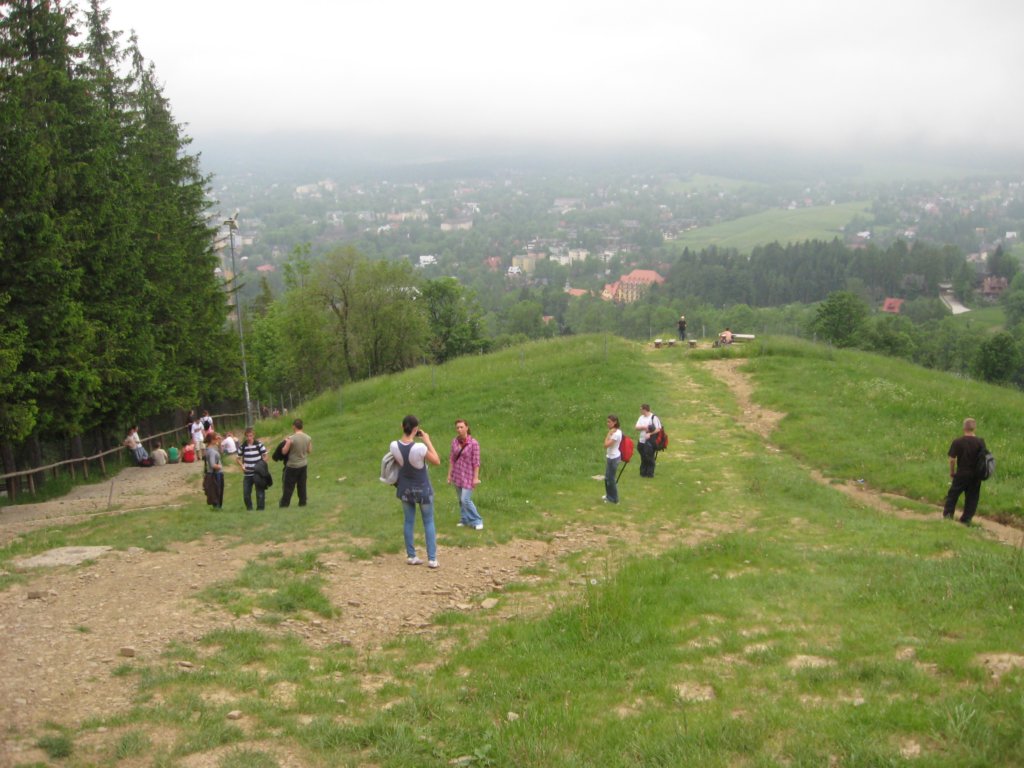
(626, 448)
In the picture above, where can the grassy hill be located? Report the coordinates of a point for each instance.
(783, 226)
(737, 612)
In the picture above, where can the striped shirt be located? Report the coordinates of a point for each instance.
(251, 454)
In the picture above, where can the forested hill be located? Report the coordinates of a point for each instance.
(110, 308)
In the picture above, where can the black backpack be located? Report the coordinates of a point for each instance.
(986, 466)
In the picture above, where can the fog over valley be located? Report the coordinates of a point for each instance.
(456, 78)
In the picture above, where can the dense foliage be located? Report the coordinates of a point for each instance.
(346, 317)
(111, 307)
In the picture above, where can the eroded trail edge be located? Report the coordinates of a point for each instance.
(763, 421)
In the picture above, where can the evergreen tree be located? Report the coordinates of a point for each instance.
(195, 354)
(43, 156)
(111, 308)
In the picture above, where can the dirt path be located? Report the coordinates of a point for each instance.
(69, 628)
(134, 488)
(763, 422)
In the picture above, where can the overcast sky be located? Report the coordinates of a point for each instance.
(814, 73)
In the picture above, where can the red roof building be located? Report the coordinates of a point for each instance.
(631, 287)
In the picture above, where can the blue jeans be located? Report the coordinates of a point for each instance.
(248, 483)
(467, 509)
(427, 513)
(611, 490)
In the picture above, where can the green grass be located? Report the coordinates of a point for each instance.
(992, 318)
(776, 225)
(778, 622)
(865, 417)
(56, 745)
(283, 586)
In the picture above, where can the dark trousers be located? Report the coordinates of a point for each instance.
(248, 483)
(294, 480)
(213, 485)
(647, 458)
(970, 487)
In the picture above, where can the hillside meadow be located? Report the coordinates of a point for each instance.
(775, 225)
(733, 611)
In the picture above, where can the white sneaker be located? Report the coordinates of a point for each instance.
(479, 526)
(462, 525)
(433, 564)
(414, 561)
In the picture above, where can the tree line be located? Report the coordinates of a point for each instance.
(344, 317)
(110, 308)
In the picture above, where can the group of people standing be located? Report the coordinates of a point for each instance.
(251, 456)
(646, 425)
(413, 451)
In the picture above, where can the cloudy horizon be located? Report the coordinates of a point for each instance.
(808, 75)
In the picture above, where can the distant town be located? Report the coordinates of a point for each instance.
(606, 235)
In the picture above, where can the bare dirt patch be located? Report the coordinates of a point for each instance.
(133, 488)
(999, 664)
(70, 627)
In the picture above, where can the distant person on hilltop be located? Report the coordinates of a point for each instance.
(682, 327)
(464, 474)
(963, 470)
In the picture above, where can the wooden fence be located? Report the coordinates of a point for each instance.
(72, 466)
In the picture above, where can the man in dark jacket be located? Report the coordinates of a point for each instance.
(963, 469)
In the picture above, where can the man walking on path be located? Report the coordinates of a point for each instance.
(682, 327)
(297, 448)
(963, 469)
(464, 474)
